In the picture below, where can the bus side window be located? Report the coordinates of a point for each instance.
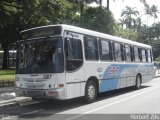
(149, 56)
(128, 53)
(117, 52)
(123, 52)
(113, 51)
(110, 51)
(91, 48)
(140, 54)
(73, 53)
(146, 55)
(143, 56)
(132, 53)
(136, 57)
(104, 50)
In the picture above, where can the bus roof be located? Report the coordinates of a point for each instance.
(94, 33)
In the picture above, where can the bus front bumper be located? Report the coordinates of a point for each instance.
(56, 93)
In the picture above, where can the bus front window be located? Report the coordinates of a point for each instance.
(40, 56)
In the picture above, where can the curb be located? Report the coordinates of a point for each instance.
(15, 102)
(6, 89)
(157, 76)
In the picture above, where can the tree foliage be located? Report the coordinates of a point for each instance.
(99, 19)
(128, 15)
(17, 15)
(126, 33)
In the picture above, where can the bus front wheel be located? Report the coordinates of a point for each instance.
(90, 92)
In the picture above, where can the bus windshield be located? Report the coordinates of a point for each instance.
(40, 56)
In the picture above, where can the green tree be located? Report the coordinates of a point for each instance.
(121, 23)
(82, 4)
(128, 14)
(99, 19)
(126, 33)
(15, 16)
(155, 11)
(151, 11)
(19, 14)
(58, 11)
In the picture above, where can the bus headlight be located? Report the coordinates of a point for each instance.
(18, 85)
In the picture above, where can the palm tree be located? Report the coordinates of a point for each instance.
(151, 12)
(127, 14)
(138, 24)
(154, 10)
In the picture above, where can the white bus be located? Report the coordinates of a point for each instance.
(64, 62)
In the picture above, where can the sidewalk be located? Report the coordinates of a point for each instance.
(8, 98)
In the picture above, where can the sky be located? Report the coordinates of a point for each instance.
(117, 7)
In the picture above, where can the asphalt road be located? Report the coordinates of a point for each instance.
(124, 102)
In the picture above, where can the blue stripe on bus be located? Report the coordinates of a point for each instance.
(111, 81)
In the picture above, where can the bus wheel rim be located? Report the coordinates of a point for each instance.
(91, 91)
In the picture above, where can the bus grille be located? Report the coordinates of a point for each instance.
(39, 80)
(28, 79)
(35, 86)
(34, 80)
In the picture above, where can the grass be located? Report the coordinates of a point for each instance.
(7, 72)
(7, 75)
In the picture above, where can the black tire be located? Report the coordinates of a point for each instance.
(90, 92)
(138, 82)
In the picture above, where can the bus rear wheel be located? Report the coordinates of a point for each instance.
(138, 82)
(90, 92)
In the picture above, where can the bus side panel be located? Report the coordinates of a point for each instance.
(148, 75)
(111, 76)
(107, 85)
(127, 75)
(150, 72)
(118, 75)
(99, 70)
(122, 74)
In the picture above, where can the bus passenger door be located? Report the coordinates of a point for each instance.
(74, 64)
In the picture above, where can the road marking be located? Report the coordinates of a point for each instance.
(35, 111)
(108, 105)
